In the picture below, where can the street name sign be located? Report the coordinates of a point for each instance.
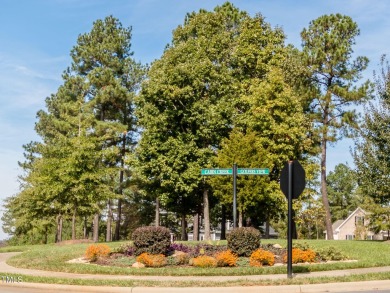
(235, 172)
(216, 172)
(252, 171)
(240, 171)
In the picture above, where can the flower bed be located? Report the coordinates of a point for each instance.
(207, 256)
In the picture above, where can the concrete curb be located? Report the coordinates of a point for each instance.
(315, 288)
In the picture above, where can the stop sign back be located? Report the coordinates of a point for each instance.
(298, 179)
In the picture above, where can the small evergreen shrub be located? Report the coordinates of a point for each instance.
(275, 250)
(95, 251)
(331, 253)
(207, 249)
(226, 259)
(154, 240)
(181, 259)
(152, 260)
(301, 245)
(261, 257)
(127, 249)
(204, 261)
(243, 241)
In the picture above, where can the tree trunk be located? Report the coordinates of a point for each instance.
(223, 223)
(239, 219)
(266, 236)
(121, 175)
(118, 220)
(157, 216)
(109, 221)
(206, 215)
(59, 229)
(183, 228)
(74, 223)
(196, 227)
(85, 230)
(324, 191)
(45, 238)
(96, 228)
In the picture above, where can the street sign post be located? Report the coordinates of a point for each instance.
(292, 183)
(235, 172)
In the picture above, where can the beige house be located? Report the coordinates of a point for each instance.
(354, 227)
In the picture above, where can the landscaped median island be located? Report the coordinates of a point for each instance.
(56, 258)
(151, 248)
(205, 255)
(150, 253)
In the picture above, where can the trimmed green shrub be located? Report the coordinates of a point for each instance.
(150, 239)
(243, 241)
(331, 253)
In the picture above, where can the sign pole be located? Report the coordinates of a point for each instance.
(289, 228)
(234, 195)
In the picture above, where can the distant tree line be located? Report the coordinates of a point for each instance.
(122, 143)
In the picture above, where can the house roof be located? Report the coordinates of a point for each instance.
(337, 225)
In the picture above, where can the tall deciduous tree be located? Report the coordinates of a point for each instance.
(327, 51)
(185, 108)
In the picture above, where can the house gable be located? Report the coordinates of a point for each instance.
(346, 229)
(358, 212)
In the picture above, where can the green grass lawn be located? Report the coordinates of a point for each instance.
(53, 258)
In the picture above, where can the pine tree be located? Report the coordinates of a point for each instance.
(103, 58)
(371, 153)
(327, 51)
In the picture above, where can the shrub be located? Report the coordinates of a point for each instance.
(243, 241)
(275, 250)
(261, 257)
(331, 253)
(226, 258)
(95, 251)
(207, 249)
(204, 261)
(198, 249)
(152, 260)
(299, 255)
(154, 240)
(181, 258)
(180, 247)
(301, 245)
(127, 249)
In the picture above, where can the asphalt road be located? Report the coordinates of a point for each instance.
(10, 289)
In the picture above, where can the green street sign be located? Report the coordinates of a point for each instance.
(240, 171)
(252, 171)
(216, 171)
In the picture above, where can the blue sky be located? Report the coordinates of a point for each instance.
(36, 38)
